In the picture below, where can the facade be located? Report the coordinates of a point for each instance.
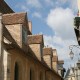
(23, 55)
(73, 73)
(77, 23)
(4, 8)
(61, 69)
(70, 75)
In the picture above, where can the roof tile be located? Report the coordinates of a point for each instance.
(14, 18)
(47, 51)
(35, 39)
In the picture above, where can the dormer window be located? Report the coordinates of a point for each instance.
(24, 35)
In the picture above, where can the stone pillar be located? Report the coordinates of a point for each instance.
(1, 59)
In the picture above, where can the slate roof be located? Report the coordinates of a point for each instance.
(47, 51)
(4, 8)
(35, 39)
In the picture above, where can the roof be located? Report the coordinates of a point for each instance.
(4, 8)
(47, 51)
(70, 72)
(67, 73)
(35, 39)
(14, 18)
(55, 58)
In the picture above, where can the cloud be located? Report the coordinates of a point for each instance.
(34, 3)
(72, 4)
(62, 46)
(49, 2)
(24, 8)
(37, 15)
(61, 22)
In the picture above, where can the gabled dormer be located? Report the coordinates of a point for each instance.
(17, 26)
(36, 44)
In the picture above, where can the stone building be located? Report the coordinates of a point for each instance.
(70, 75)
(77, 23)
(23, 55)
(74, 72)
(4, 8)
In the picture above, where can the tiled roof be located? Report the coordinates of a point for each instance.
(4, 8)
(14, 18)
(55, 58)
(61, 62)
(47, 51)
(35, 39)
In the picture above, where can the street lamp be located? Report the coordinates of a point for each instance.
(71, 48)
(78, 63)
(71, 54)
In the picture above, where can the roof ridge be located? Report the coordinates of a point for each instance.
(15, 13)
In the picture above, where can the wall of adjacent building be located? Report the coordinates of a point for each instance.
(25, 63)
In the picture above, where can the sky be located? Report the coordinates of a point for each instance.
(55, 20)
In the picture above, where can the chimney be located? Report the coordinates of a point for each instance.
(47, 56)
(30, 26)
(60, 67)
(35, 45)
(55, 60)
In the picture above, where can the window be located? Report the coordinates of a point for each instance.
(24, 35)
(32, 74)
(16, 72)
(41, 76)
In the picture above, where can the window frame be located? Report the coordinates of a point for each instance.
(24, 35)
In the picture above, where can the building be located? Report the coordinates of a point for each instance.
(74, 72)
(23, 55)
(77, 23)
(61, 69)
(4, 8)
(70, 75)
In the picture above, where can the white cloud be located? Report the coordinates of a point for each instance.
(72, 4)
(36, 14)
(61, 21)
(34, 3)
(24, 8)
(62, 47)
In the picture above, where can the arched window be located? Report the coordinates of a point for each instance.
(41, 76)
(16, 72)
(32, 77)
(30, 74)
